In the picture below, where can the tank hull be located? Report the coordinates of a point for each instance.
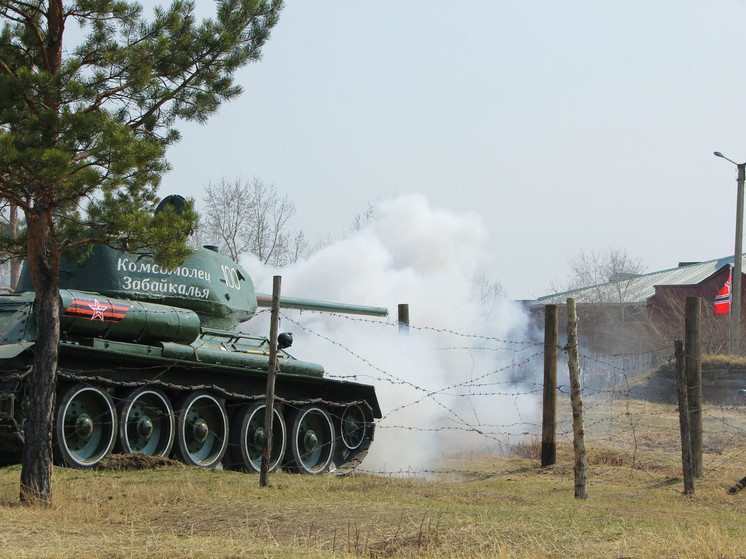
(121, 389)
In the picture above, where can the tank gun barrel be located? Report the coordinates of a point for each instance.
(264, 300)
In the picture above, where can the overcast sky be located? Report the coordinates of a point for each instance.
(563, 126)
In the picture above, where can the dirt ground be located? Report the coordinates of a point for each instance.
(128, 462)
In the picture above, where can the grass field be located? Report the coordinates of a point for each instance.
(480, 506)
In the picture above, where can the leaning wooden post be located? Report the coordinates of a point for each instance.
(694, 377)
(403, 319)
(684, 424)
(549, 414)
(269, 404)
(576, 399)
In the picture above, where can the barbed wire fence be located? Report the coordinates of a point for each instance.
(629, 399)
(487, 397)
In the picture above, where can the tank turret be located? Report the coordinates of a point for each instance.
(217, 289)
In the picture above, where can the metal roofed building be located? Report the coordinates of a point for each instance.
(638, 288)
(631, 311)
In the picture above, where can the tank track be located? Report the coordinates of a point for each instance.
(11, 440)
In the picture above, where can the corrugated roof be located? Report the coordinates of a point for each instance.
(638, 289)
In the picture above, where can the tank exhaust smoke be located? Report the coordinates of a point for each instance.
(431, 384)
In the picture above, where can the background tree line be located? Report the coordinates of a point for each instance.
(238, 216)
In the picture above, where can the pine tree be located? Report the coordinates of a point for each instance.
(84, 129)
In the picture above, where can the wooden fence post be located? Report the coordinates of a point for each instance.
(269, 404)
(694, 377)
(684, 424)
(403, 319)
(549, 414)
(576, 399)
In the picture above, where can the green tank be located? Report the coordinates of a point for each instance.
(151, 361)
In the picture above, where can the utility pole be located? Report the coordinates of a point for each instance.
(734, 327)
(735, 310)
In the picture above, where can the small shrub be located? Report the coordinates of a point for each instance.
(527, 448)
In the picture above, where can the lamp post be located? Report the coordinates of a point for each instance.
(734, 327)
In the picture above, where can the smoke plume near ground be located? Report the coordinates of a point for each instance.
(462, 378)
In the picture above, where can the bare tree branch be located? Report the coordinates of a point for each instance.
(250, 217)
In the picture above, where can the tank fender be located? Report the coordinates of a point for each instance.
(9, 351)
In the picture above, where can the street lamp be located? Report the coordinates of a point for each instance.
(734, 327)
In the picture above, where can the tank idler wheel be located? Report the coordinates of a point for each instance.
(146, 422)
(201, 429)
(312, 440)
(86, 426)
(247, 438)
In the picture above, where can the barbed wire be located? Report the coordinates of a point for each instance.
(617, 409)
(466, 383)
(389, 377)
(439, 330)
(525, 343)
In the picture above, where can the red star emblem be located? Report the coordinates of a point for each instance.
(98, 310)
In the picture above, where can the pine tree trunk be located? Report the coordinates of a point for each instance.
(36, 470)
(44, 265)
(15, 263)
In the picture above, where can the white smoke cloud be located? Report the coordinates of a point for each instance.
(428, 258)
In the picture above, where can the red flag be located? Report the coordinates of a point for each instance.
(722, 301)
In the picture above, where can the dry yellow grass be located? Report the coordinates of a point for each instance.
(487, 506)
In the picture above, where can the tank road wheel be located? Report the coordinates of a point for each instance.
(247, 438)
(353, 426)
(201, 429)
(355, 433)
(312, 440)
(86, 426)
(146, 422)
